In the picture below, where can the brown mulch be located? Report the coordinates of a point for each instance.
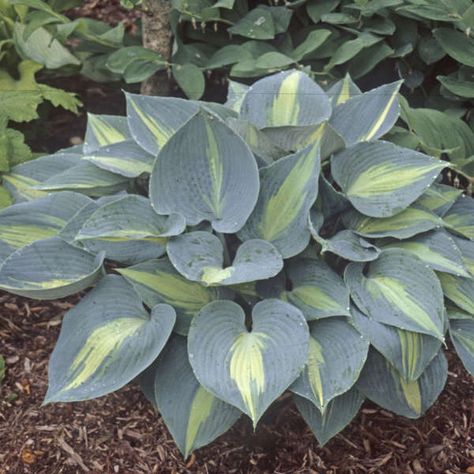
(120, 433)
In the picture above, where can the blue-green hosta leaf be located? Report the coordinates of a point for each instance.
(24, 223)
(154, 120)
(105, 342)
(459, 290)
(398, 290)
(157, 281)
(206, 172)
(128, 230)
(330, 202)
(382, 383)
(461, 216)
(104, 130)
(49, 269)
(462, 335)
(85, 178)
(285, 99)
(438, 198)
(294, 139)
(343, 90)
(317, 290)
(437, 249)
(347, 244)
(288, 190)
(336, 356)
(235, 95)
(199, 256)
(466, 248)
(21, 179)
(406, 224)
(124, 158)
(381, 179)
(195, 417)
(409, 352)
(367, 116)
(248, 369)
(338, 414)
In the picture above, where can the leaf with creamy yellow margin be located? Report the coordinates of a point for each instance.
(105, 342)
(248, 369)
(104, 130)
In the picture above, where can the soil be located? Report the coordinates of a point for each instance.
(121, 433)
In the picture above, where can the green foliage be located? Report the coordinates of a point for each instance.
(430, 43)
(275, 243)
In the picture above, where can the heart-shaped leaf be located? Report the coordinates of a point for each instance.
(106, 341)
(206, 172)
(199, 256)
(248, 369)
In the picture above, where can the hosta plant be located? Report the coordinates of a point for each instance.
(236, 252)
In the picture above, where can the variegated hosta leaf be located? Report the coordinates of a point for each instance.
(199, 256)
(338, 414)
(124, 158)
(342, 91)
(367, 116)
(467, 252)
(461, 216)
(24, 223)
(462, 335)
(49, 269)
(288, 98)
(248, 369)
(206, 172)
(336, 355)
(317, 290)
(154, 120)
(21, 179)
(438, 198)
(288, 189)
(383, 384)
(459, 290)
(105, 342)
(195, 417)
(406, 224)
(381, 179)
(235, 95)
(437, 249)
(388, 293)
(294, 139)
(128, 230)
(104, 130)
(347, 244)
(85, 178)
(157, 281)
(409, 352)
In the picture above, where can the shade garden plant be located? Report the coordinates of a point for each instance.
(275, 243)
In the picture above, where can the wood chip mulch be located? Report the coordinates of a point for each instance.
(120, 433)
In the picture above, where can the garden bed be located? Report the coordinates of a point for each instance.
(120, 433)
